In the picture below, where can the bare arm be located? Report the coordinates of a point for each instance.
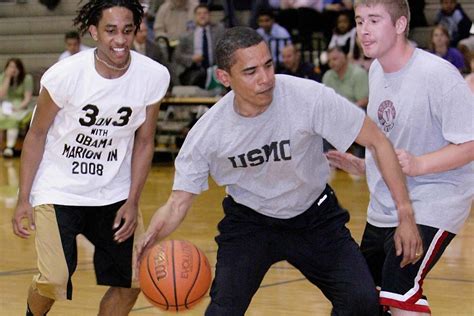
(166, 219)
(407, 237)
(447, 158)
(32, 153)
(142, 155)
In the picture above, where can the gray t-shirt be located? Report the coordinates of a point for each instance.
(274, 162)
(422, 108)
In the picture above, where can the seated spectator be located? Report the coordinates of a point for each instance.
(349, 80)
(72, 40)
(456, 21)
(344, 35)
(174, 18)
(16, 91)
(439, 45)
(274, 35)
(259, 5)
(144, 45)
(331, 11)
(195, 52)
(294, 65)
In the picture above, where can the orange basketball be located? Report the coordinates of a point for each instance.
(174, 275)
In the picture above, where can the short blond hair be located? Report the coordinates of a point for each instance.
(395, 8)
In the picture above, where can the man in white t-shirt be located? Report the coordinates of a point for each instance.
(72, 40)
(264, 142)
(86, 157)
(425, 108)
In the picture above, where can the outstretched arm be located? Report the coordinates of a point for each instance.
(166, 219)
(407, 237)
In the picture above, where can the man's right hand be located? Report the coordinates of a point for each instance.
(23, 210)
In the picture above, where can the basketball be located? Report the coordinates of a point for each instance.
(174, 275)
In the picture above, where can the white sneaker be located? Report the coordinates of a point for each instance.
(8, 152)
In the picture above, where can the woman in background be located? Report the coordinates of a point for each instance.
(16, 91)
(439, 45)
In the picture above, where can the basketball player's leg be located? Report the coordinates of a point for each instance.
(402, 289)
(327, 255)
(57, 257)
(112, 260)
(118, 301)
(245, 253)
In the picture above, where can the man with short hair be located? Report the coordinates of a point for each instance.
(73, 44)
(275, 35)
(195, 52)
(346, 78)
(293, 65)
(263, 141)
(424, 106)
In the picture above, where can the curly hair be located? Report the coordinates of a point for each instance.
(91, 12)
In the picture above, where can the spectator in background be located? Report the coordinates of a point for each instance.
(144, 45)
(349, 80)
(259, 5)
(72, 40)
(274, 34)
(174, 18)
(16, 91)
(195, 52)
(439, 45)
(150, 13)
(344, 35)
(453, 17)
(293, 65)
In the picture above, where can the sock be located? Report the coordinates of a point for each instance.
(28, 311)
(12, 136)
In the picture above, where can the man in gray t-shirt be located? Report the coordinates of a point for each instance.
(263, 141)
(425, 108)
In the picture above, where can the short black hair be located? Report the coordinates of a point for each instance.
(235, 38)
(266, 12)
(72, 35)
(201, 6)
(91, 12)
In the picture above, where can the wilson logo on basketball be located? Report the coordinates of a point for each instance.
(160, 265)
(187, 263)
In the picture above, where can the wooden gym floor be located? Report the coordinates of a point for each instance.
(284, 291)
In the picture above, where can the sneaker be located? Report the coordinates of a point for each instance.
(8, 152)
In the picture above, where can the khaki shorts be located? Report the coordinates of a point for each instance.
(57, 227)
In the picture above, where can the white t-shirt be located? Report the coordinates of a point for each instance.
(274, 162)
(422, 108)
(67, 53)
(87, 156)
